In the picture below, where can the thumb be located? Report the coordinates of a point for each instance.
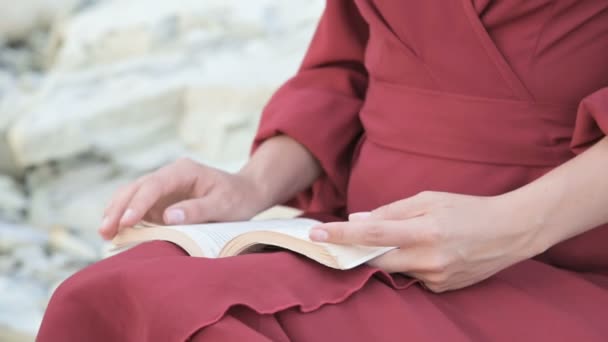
(190, 211)
(406, 208)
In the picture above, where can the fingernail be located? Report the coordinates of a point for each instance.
(318, 235)
(127, 216)
(363, 215)
(176, 216)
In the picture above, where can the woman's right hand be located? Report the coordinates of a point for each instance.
(184, 192)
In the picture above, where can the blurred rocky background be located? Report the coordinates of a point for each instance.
(93, 93)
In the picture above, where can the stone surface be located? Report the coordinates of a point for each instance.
(13, 202)
(21, 18)
(73, 194)
(102, 111)
(6, 82)
(117, 30)
(8, 334)
(64, 241)
(32, 263)
(91, 100)
(16, 94)
(26, 302)
(221, 120)
(17, 59)
(14, 236)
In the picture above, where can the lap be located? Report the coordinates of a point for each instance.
(156, 292)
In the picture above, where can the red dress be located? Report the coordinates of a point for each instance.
(394, 97)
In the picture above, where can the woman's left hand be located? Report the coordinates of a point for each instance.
(447, 241)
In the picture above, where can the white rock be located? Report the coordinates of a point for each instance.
(60, 266)
(71, 173)
(21, 18)
(8, 264)
(6, 81)
(28, 54)
(63, 261)
(16, 93)
(73, 194)
(15, 236)
(103, 110)
(23, 298)
(32, 259)
(8, 334)
(15, 96)
(13, 202)
(16, 60)
(64, 241)
(118, 30)
(138, 103)
(221, 120)
(222, 109)
(132, 87)
(149, 155)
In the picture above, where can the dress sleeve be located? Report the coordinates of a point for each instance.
(319, 106)
(591, 121)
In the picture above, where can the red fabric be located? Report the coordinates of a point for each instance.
(326, 93)
(393, 98)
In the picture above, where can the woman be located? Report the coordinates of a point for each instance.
(470, 133)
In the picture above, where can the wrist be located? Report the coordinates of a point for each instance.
(527, 219)
(263, 192)
(279, 169)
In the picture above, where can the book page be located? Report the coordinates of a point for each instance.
(354, 255)
(211, 237)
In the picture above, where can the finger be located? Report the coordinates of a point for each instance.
(411, 261)
(360, 216)
(146, 196)
(407, 208)
(371, 232)
(116, 209)
(169, 180)
(192, 211)
(394, 261)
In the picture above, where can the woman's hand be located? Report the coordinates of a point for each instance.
(186, 192)
(448, 241)
(181, 193)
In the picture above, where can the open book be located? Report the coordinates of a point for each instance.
(216, 240)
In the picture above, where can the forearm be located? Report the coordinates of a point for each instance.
(569, 200)
(281, 167)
